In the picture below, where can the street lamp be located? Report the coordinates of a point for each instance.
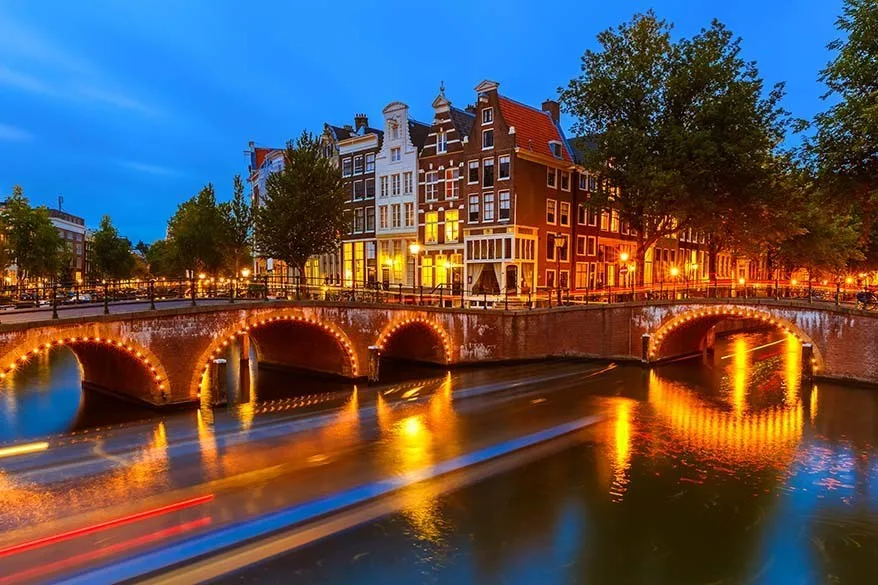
(414, 252)
(675, 272)
(245, 272)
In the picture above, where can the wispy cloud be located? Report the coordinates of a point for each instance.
(13, 134)
(62, 74)
(147, 168)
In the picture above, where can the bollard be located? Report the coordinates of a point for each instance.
(106, 301)
(152, 295)
(374, 362)
(55, 301)
(807, 361)
(218, 368)
(244, 368)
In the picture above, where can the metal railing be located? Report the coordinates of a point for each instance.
(60, 296)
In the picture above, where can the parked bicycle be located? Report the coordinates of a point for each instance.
(867, 300)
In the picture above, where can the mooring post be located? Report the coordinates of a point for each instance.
(218, 395)
(644, 348)
(807, 361)
(374, 362)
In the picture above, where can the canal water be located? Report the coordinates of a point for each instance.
(727, 470)
(721, 472)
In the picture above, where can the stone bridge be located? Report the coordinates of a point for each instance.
(161, 357)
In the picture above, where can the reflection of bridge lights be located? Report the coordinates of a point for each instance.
(740, 375)
(443, 337)
(750, 435)
(622, 437)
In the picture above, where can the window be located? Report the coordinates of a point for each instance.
(504, 205)
(488, 172)
(370, 188)
(581, 215)
(487, 139)
(346, 167)
(565, 181)
(370, 162)
(473, 172)
(431, 192)
(382, 217)
(474, 208)
(394, 154)
(565, 213)
(550, 278)
(489, 206)
(503, 171)
(359, 190)
(583, 185)
(556, 148)
(441, 141)
(395, 215)
(409, 214)
(550, 246)
(605, 220)
(394, 130)
(592, 217)
(407, 183)
(551, 206)
(394, 184)
(384, 191)
(592, 183)
(370, 219)
(431, 227)
(487, 115)
(614, 221)
(358, 165)
(580, 245)
(552, 178)
(452, 228)
(359, 220)
(563, 248)
(452, 183)
(592, 248)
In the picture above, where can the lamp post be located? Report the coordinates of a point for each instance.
(694, 268)
(743, 283)
(415, 252)
(675, 272)
(559, 244)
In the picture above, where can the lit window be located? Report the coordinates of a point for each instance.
(431, 227)
(565, 213)
(551, 205)
(452, 228)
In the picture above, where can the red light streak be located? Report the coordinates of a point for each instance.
(56, 538)
(102, 552)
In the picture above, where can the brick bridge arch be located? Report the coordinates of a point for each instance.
(105, 360)
(326, 348)
(685, 331)
(415, 339)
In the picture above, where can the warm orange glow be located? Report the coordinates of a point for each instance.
(740, 375)
(622, 436)
(675, 271)
(741, 280)
(414, 248)
(623, 256)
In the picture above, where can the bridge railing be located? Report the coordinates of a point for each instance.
(59, 295)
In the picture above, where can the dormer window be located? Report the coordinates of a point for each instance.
(555, 146)
(441, 141)
(487, 115)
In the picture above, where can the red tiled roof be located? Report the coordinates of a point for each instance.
(533, 128)
(261, 153)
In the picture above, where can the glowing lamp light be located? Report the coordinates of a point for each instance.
(695, 267)
(447, 265)
(414, 248)
(245, 272)
(848, 280)
(623, 256)
(675, 271)
(202, 276)
(388, 262)
(741, 280)
(794, 282)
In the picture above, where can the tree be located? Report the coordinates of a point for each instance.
(302, 211)
(111, 256)
(35, 246)
(196, 233)
(620, 103)
(844, 149)
(161, 259)
(239, 226)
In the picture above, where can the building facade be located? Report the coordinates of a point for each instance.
(73, 232)
(396, 172)
(441, 209)
(263, 162)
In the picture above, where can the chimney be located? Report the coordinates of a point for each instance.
(471, 109)
(361, 122)
(553, 109)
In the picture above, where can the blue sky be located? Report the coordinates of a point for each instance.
(128, 107)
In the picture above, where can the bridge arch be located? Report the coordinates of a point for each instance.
(270, 335)
(415, 339)
(106, 362)
(688, 330)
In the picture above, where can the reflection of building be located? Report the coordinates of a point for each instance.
(72, 231)
(396, 170)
